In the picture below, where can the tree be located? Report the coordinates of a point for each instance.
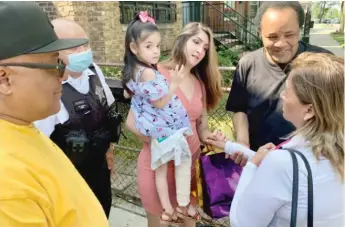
(342, 17)
(322, 8)
(333, 13)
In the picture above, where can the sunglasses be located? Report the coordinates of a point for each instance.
(60, 66)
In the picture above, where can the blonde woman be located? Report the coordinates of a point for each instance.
(313, 101)
(199, 92)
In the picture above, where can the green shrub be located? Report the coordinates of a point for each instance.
(163, 57)
(227, 78)
(227, 56)
(112, 72)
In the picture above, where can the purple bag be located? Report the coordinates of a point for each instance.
(219, 179)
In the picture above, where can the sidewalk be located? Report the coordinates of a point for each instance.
(321, 37)
(125, 214)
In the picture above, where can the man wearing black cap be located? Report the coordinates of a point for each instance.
(39, 185)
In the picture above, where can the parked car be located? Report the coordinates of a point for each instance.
(327, 21)
(336, 21)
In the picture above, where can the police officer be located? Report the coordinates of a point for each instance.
(81, 129)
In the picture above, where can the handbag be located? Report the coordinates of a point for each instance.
(295, 189)
(217, 179)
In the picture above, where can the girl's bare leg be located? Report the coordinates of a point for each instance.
(183, 182)
(183, 187)
(163, 190)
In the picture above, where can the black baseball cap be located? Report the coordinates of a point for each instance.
(26, 29)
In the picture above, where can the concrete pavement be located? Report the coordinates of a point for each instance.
(126, 214)
(320, 36)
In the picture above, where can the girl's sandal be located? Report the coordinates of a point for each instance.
(171, 220)
(184, 214)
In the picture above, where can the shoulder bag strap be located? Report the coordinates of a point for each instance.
(310, 190)
(295, 179)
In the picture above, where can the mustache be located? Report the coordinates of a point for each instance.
(288, 46)
(280, 50)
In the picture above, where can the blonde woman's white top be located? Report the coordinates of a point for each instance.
(263, 195)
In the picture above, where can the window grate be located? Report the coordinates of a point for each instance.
(162, 12)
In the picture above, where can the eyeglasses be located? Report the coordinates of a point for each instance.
(60, 66)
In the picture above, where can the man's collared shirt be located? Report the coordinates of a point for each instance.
(82, 85)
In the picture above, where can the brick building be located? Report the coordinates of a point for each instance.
(106, 22)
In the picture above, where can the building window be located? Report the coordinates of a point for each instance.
(254, 7)
(229, 4)
(162, 12)
(229, 11)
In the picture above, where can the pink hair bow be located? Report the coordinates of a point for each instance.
(144, 17)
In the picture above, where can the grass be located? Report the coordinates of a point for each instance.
(339, 37)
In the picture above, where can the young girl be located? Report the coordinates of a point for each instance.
(158, 112)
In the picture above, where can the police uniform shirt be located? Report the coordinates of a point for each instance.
(82, 85)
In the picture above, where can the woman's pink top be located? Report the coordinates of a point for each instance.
(146, 177)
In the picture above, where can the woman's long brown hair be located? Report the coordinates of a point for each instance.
(207, 70)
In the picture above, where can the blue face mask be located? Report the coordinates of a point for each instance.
(79, 62)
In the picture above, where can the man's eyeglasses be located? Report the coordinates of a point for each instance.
(60, 66)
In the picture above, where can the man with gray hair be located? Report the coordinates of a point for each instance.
(260, 75)
(39, 185)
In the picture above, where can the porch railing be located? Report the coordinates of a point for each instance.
(230, 28)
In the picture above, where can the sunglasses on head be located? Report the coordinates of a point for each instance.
(60, 66)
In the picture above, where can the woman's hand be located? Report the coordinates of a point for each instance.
(216, 143)
(131, 127)
(217, 139)
(261, 153)
(216, 135)
(109, 156)
(239, 158)
(219, 135)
